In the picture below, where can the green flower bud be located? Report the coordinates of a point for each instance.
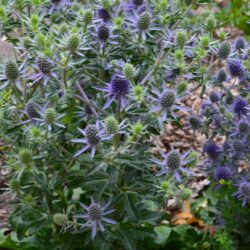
(137, 128)
(180, 38)
(179, 54)
(14, 185)
(222, 35)
(60, 219)
(211, 23)
(28, 198)
(129, 71)
(41, 40)
(185, 194)
(144, 21)
(73, 42)
(111, 125)
(11, 70)
(229, 116)
(35, 132)
(138, 90)
(165, 185)
(34, 19)
(205, 40)
(87, 17)
(50, 115)
(118, 21)
(25, 156)
(63, 28)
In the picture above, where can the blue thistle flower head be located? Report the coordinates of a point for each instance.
(103, 14)
(223, 173)
(93, 135)
(95, 216)
(167, 103)
(212, 149)
(240, 107)
(235, 68)
(214, 97)
(243, 186)
(195, 122)
(174, 163)
(207, 108)
(240, 43)
(221, 76)
(217, 120)
(242, 128)
(117, 89)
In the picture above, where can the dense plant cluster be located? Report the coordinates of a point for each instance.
(88, 88)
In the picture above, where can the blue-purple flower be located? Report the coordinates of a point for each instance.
(243, 192)
(95, 216)
(93, 135)
(118, 89)
(240, 107)
(44, 66)
(223, 173)
(174, 163)
(103, 14)
(235, 68)
(212, 149)
(167, 103)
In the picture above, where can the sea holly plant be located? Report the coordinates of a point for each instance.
(89, 88)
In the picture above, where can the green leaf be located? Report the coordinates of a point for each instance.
(163, 233)
(130, 208)
(6, 242)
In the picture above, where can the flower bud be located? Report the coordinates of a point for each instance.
(14, 185)
(144, 21)
(211, 23)
(137, 128)
(73, 42)
(35, 132)
(224, 50)
(60, 219)
(103, 33)
(180, 38)
(11, 70)
(111, 125)
(50, 115)
(205, 40)
(63, 28)
(44, 65)
(185, 194)
(25, 156)
(32, 109)
(87, 17)
(129, 71)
